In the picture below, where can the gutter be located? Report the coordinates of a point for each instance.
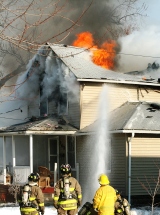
(120, 132)
(38, 133)
(119, 82)
(129, 166)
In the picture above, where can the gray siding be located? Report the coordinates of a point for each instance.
(86, 166)
(87, 158)
(119, 163)
(33, 108)
(74, 114)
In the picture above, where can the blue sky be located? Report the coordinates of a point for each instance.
(143, 42)
(153, 11)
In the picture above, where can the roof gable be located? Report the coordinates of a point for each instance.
(79, 62)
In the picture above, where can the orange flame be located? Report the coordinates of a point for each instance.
(102, 56)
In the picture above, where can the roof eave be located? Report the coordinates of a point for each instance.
(38, 133)
(121, 132)
(117, 81)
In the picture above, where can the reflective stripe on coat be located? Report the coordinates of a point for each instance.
(75, 191)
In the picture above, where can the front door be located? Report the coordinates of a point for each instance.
(53, 153)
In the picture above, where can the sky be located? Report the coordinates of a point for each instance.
(138, 46)
(152, 11)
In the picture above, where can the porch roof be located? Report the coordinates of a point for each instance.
(132, 117)
(79, 62)
(43, 125)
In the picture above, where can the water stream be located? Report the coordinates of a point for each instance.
(99, 147)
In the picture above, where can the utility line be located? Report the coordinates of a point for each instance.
(136, 55)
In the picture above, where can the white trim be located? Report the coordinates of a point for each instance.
(56, 133)
(76, 133)
(118, 82)
(13, 151)
(136, 131)
(55, 173)
(122, 132)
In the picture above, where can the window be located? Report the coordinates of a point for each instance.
(43, 104)
(63, 103)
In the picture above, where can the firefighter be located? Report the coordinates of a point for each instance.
(105, 197)
(122, 207)
(31, 199)
(67, 193)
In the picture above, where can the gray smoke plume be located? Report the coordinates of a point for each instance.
(46, 73)
(139, 49)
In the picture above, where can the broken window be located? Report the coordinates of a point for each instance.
(63, 103)
(43, 104)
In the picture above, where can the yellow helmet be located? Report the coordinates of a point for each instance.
(103, 179)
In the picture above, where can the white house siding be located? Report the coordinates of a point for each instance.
(89, 103)
(120, 93)
(145, 163)
(117, 95)
(149, 94)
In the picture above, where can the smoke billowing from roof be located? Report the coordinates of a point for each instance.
(97, 18)
(46, 71)
(139, 49)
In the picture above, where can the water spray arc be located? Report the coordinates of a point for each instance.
(100, 150)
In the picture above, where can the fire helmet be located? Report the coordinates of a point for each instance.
(34, 177)
(117, 192)
(65, 169)
(103, 179)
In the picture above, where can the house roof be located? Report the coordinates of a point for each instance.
(79, 62)
(48, 125)
(137, 117)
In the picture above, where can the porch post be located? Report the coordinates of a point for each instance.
(4, 159)
(31, 151)
(13, 152)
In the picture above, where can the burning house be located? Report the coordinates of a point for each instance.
(62, 88)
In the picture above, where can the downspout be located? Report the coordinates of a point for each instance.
(31, 151)
(129, 167)
(4, 160)
(13, 157)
